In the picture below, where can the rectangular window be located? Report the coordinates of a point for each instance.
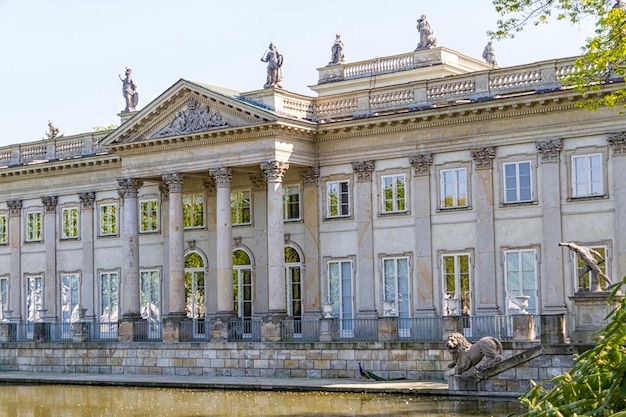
(338, 198)
(583, 273)
(291, 203)
(34, 297)
(340, 290)
(33, 226)
(4, 231)
(108, 219)
(70, 297)
(149, 214)
(240, 207)
(587, 176)
(520, 268)
(151, 301)
(69, 217)
(396, 290)
(4, 296)
(109, 296)
(453, 188)
(517, 182)
(456, 284)
(193, 211)
(394, 193)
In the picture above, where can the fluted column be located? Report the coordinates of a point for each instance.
(553, 280)
(424, 286)
(364, 282)
(312, 284)
(485, 283)
(87, 290)
(618, 145)
(130, 305)
(50, 277)
(15, 239)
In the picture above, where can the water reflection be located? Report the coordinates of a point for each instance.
(83, 401)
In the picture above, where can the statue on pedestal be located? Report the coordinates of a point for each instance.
(337, 56)
(592, 260)
(489, 54)
(427, 40)
(129, 91)
(274, 61)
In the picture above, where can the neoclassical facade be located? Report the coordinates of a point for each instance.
(422, 185)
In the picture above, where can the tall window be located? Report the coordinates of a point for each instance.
(4, 296)
(454, 188)
(34, 297)
(70, 297)
(194, 289)
(293, 282)
(341, 294)
(587, 175)
(33, 226)
(109, 296)
(242, 285)
(394, 193)
(338, 198)
(291, 202)
(521, 278)
(584, 282)
(108, 219)
(517, 182)
(396, 288)
(193, 211)
(4, 231)
(456, 284)
(240, 204)
(150, 297)
(149, 215)
(70, 223)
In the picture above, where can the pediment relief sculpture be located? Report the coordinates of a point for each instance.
(196, 117)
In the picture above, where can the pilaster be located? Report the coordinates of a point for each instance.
(87, 290)
(49, 238)
(15, 239)
(618, 145)
(312, 282)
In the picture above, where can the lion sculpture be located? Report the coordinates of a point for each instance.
(465, 355)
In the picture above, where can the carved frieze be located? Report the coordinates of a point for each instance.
(274, 170)
(421, 163)
(49, 203)
(87, 199)
(222, 176)
(363, 170)
(618, 143)
(550, 150)
(310, 176)
(484, 156)
(196, 117)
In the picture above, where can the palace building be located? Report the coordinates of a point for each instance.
(419, 186)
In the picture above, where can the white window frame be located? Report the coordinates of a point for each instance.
(189, 203)
(288, 204)
(579, 264)
(4, 295)
(70, 223)
(455, 301)
(343, 207)
(148, 279)
(518, 186)
(108, 222)
(70, 315)
(460, 189)
(343, 304)
(512, 303)
(290, 268)
(111, 316)
(34, 226)
(4, 229)
(398, 204)
(393, 284)
(586, 179)
(149, 207)
(240, 203)
(33, 306)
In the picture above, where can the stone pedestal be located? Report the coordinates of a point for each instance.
(590, 310)
(552, 328)
(326, 330)
(271, 328)
(462, 383)
(219, 327)
(8, 332)
(451, 324)
(80, 332)
(387, 329)
(177, 328)
(132, 328)
(523, 328)
(41, 332)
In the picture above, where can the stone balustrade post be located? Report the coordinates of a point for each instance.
(523, 328)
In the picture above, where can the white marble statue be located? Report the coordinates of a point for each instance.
(274, 61)
(427, 40)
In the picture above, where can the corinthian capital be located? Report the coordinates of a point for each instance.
(274, 170)
(222, 176)
(310, 176)
(421, 163)
(49, 203)
(363, 170)
(484, 156)
(174, 182)
(618, 143)
(15, 207)
(128, 187)
(87, 199)
(550, 150)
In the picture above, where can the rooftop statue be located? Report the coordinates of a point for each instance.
(274, 61)
(592, 265)
(129, 91)
(427, 40)
(337, 56)
(489, 54)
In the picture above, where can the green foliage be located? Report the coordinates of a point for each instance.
(603, 56)
(53, 132)
(596, 385)
(104, 128)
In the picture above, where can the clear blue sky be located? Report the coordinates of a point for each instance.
(61, 59)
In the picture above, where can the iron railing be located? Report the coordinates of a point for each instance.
(420, 329)
(244, 331)
(300, 330)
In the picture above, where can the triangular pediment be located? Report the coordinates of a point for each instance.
(189, 108)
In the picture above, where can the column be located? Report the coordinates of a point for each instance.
(364, 282)
(618, 145)
(312, 308)
(424, 285)
(15, 280)
(88, 279)
(552, 279)
(165, 232)
(224, 254)
(130, 305)
(172, 329)
(274, 171)
(485, 283)
(50, 277)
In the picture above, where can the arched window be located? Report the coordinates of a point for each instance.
(195, 292)
(293, 282)
(242, 284)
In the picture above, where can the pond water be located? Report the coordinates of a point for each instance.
(91, 401)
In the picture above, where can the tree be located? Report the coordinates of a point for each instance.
(53, 131)
(603, 61)
(596, 385)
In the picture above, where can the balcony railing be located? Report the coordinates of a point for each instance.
(244, 331)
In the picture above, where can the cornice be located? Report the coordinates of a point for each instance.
(56, 166)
